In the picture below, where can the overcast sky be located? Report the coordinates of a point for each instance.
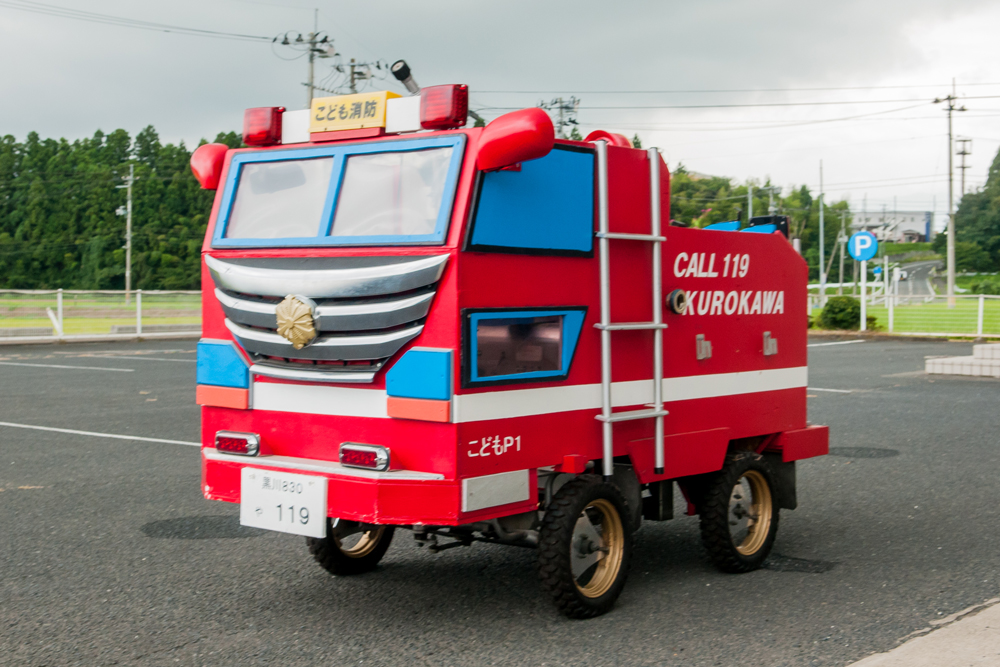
(887, 59)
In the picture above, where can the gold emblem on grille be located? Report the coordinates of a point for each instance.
(295, 320)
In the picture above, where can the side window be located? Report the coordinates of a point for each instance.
(547, 207)
(505, 346)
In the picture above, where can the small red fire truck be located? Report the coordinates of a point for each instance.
(487, 334)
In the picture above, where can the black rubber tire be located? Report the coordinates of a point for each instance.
(329, 555)
(555, 547)
(715, 510)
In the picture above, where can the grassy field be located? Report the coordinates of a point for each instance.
(937, 317)
(97, 314)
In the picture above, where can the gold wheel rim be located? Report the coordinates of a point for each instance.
(603, 519)
(365, 545)
(757, 511)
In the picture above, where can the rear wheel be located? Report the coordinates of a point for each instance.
(739, 516)
(585, 547)
(350, 547)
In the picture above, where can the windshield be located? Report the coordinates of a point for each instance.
(391, 193)
(394, 192)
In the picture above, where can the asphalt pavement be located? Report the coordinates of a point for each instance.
(110, 555)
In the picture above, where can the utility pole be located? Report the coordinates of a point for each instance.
(822, 255)
(963, 151)
(128, 230)
(312, 58)
(317, 45)
(950, 99)
(749, 203)
(843, 242)
(566, 113)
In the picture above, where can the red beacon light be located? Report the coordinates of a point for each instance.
(444, 107)
(262, 126)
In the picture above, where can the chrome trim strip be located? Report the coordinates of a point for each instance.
(329, 347)
(252, 313)
(378, 315)
(333, 317)
(310, 375)
(349, 281)
(324, 467)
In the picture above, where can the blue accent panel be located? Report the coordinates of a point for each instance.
(761, 229)
(421, 374)
(221, 365)
(340, 153)
(572, 324)
(547, 205)
(729, 226)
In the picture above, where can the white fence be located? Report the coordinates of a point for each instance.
(967, 315)
(68, 315)
(77, 315)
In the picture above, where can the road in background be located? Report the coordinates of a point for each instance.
(111, 555)
(918, 279)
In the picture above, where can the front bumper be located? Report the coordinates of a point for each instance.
(393, 497)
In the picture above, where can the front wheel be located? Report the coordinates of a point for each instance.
(739, 516)
(585, 547)
(350, 547)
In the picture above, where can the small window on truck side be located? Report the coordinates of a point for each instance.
(507, 346)
(545, 207)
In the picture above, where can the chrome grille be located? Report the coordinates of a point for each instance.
(367, 308)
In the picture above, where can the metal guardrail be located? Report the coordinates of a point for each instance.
(30, 316)
(931, 315)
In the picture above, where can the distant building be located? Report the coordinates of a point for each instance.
(896, 226)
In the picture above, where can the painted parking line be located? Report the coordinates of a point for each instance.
(137, 358)
(833, 391)
(839, 342)
(114, 436)
(78, 368)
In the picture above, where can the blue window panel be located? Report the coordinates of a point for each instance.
(340, 153)
(421, 373)
(761, 229)
(221, 365)
(728, 226)
(546, 206)
(572, 324)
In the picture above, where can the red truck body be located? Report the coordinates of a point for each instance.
(472, 437)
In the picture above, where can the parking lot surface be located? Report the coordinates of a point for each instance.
(110, 555)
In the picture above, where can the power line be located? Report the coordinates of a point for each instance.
(122, 22)
(711, 90)
(756, 105)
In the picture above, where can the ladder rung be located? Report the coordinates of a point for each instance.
(630, 237)
(630, 326)
(630, 415)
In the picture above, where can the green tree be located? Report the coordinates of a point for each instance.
(58, 226)
(978, 217)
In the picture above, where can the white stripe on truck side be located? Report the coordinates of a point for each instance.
(547, 400)
(510, 403)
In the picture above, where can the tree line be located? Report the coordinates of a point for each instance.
(59, 227)
(58, 220)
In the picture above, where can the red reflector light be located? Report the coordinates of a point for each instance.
(372, 457)
(237, 443)
(262, 126)
(444, 107)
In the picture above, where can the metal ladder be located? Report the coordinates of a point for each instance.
(606, 326)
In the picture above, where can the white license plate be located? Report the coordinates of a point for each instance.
(283, 501)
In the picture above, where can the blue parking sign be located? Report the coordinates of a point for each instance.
(862, 246)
